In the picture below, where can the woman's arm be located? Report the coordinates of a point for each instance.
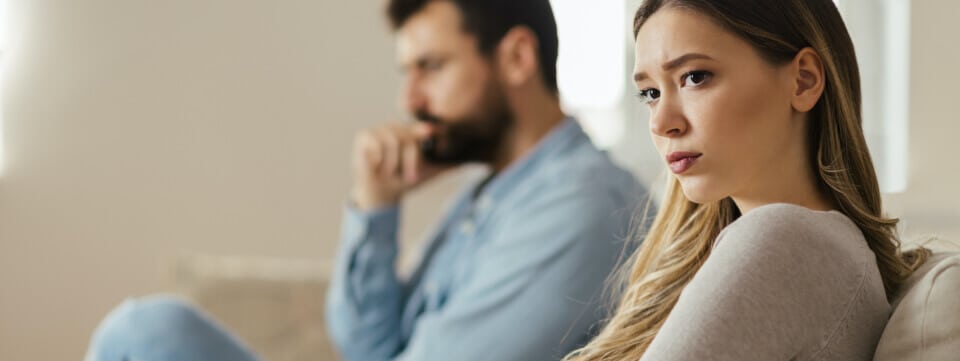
(768, 291)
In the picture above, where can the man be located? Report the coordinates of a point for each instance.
(517, 267)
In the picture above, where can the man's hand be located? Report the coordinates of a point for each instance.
(387, 162)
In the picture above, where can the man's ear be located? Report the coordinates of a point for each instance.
(809, 80)
(517, 56)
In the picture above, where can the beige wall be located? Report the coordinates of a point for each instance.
(931, 203)
(138, 130)
(135, 131)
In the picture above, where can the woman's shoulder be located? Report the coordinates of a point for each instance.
(793, 229)
(778, 248)
(791, 217)
(791, 276)
(820, 261)
(799, 243)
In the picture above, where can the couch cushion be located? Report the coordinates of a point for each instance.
(274, 305)
(925, 323)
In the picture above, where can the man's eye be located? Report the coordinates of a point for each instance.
(432, 65)
(695, 78)
(648, 95)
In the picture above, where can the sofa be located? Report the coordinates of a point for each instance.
(276, 305)
(925, 322)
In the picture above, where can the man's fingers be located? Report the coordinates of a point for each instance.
(369, 149)
(392, 152)
(423, 130)
(390, 144)
(411, 162)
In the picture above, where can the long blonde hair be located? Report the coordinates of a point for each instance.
(681, 235)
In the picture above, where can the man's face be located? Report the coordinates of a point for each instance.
(450, 83)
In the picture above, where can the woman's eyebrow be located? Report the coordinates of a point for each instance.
(673, 64)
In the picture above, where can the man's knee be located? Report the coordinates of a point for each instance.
(139, 323)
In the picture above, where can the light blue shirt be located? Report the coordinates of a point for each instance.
(514, 272)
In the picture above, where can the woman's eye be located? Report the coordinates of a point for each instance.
(695, 78)
(648, 95)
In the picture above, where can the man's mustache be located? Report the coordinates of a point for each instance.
(426, 117)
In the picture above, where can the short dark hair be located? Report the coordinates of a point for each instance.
(489, 21)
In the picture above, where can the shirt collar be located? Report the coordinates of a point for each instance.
(558, 138)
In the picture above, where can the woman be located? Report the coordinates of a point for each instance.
(770, 243)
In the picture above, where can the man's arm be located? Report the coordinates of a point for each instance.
(534, 290)
(364, 298)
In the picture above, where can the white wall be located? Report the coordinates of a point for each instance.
(136, 130)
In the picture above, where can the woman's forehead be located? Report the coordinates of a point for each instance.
(672, 32)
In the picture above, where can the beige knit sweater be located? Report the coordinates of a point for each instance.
(782, 283)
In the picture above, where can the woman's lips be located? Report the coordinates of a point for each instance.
(681, 161)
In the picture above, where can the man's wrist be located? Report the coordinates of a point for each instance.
(367, 201)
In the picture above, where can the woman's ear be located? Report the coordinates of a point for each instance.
(517, 56)
(809, 80)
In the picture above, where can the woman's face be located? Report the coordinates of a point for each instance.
(720, 115)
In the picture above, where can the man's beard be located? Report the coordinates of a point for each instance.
(478, 138)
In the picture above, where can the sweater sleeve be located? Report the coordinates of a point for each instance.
(766, 292)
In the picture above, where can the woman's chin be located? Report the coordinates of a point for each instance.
(700, 193)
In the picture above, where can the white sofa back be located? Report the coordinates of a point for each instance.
(925, 323)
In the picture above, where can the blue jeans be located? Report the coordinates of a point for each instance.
(163, 328)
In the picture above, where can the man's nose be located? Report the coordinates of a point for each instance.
(412, 98)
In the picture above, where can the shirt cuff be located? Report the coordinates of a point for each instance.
(377, 226)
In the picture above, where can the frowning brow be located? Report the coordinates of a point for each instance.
(673, 64)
